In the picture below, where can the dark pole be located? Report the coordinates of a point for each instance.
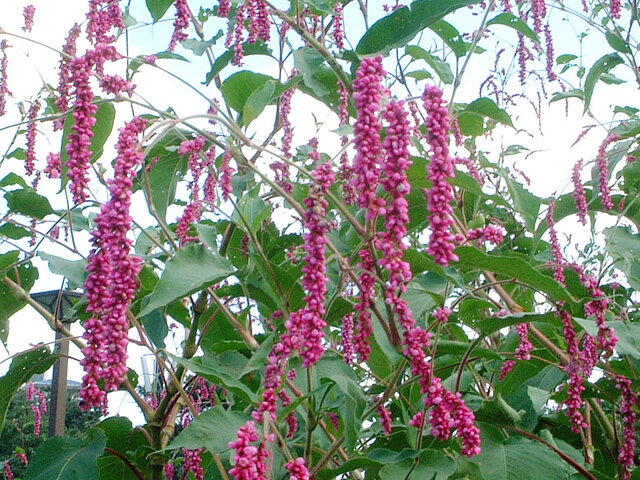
(58, 407)
(57, 302)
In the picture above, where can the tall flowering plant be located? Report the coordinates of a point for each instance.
(329, 243)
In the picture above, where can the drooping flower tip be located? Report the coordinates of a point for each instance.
(29, 11)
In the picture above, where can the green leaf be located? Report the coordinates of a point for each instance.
(164, 178)
(13, 179)
(74, 270)
(224, 59)
(122, 438)
(24, 275)
(29, 203)
(526, 204)
(624, 248)
(510, 20)
(602, 65)
(492, 324)
(14, 232)
(64, 458)
(516, 458)
(573, 93)
(155, 324)
(488, 108)
(191, 269)
(460, 348)
(224, 424)
(23, 367)
(238, 87)
(157, 8)
(566, 58)
(471, 124)
(628, 335)
(451, 36)
(432, 465)
(311, 63)
(257, 101)
(442, 69)
(515, 267)
(105, 115)
(398, 28)
(214, 370)
(198, 47)
(251, 211)
(617, 43)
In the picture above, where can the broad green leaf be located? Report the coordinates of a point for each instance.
(14, 232)
(488, 108)
(628, 335)
(257, 101)
(440, 67)
(389, 457)
(122, 438)
(13, 179)
(155, 324)
(512, 266)
(211, 368)
(323, 7)
(213, 430)
(624, 247)
(310, 62)
(198, 47)
(510, 20)
(105, 115)
(157, 8)
(251, 211)
(74, 270)
(602, 65)
(135, 64)
(431, 465)
(573, 93)
(29, 203)
(23, 367)
(617, 43)
(452, 347)
(238, 87)
(566, 58)
(224, 59)
(398, 28)
(451, 36)
(180, 278)
(525, 203)
(24, 275)
(164, 178)
(490, 325)
(65, 458)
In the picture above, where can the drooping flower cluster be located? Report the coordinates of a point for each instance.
(442, 240)
(490, 234)
(224, 8)
(193, 463)
(298, 469)
(226, 174)
(396, 211)
(180, 24)
(367, 94)
(556, 250)
(8, 473)
(602, 162)
(628, 417)
(597, 307)
(249, 460)
(579, 193)
(338, 27)
(615, 8)
(551, 75)
(64, 85)
(103, 16)
(30, 154)
(29, 12)
(366, 300)
(259, 23)
(347, 339)
(315, 276)
(4, 90)
(385, 419)
(112, 279)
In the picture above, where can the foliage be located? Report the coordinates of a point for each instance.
(331, 225)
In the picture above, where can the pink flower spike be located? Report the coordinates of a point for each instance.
(29, 12)
(442, 241)
(579, 193)
(180, 24)
(602, 162)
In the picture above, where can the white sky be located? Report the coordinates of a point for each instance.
(549, 168)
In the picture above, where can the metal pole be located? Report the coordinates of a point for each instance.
(58, 407)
